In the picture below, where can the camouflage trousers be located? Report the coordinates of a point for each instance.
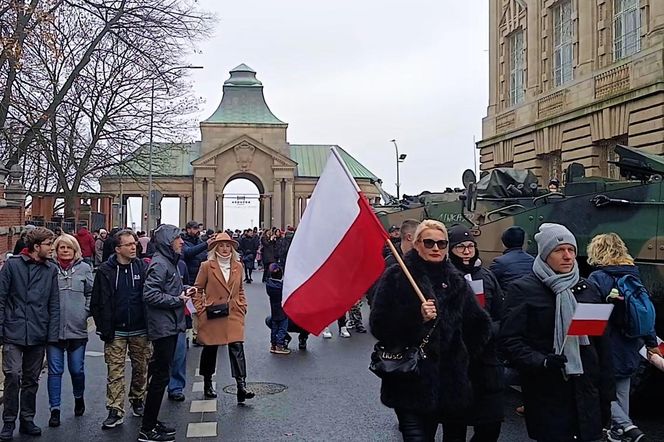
(115, 354)
(355, 315)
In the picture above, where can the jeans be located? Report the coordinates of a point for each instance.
(56, 367)
(179, 370)
(159, 373)
(21, 365)
(620, 407)
(279, 329)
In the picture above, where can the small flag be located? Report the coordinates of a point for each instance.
(590, 319)
(644, 350)
(478, 289)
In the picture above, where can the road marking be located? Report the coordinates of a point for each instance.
(202, 429)
(199, 374)
(205, 406)
(198, 386)
(94, 353)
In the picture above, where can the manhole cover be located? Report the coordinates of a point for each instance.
(260, 388)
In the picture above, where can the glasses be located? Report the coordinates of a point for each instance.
(464, 247)
(429, 243)
(129, 244)
(47, 243)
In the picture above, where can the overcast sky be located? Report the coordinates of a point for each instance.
(360, 73)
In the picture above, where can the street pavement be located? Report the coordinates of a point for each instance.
(330, 395)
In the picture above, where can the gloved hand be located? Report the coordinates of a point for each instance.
(555, 362)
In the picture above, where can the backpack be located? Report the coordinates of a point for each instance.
(639, 309)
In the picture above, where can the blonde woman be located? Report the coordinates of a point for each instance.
(75, 286)
(459, 329)
(221, 307)
(609, 255)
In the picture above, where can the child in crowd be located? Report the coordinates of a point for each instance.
(279, 321)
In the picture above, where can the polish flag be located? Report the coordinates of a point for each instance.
(590, 319)
(660, 345)
(478, 288)
(336, 253)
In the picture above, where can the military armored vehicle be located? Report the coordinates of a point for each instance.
(632, 207)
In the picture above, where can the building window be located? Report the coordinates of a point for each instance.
(626, 28)
(563, 48)
(517, 83)
(608, 157)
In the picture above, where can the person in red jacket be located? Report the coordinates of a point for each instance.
(87, 243)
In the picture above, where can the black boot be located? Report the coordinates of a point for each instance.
(54, 421)
(7, 432)
(79, 406)
(242, 392)
(208, 389)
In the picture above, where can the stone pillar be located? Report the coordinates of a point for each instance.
(587, 30)
(276, 205)
(211, 200)
(183, 211)
(493, 57)
(144, 209)
(533, 52)
(220, 211)
(197, 200)
(266, 201)
(289, 217)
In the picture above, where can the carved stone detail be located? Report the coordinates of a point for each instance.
(551, 104)
(244, 155)
(505, 122)
(613, 81)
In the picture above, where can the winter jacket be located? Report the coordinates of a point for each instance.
(487, 373)
(75, 286)
(557, 409)
(194, 252)
(625, 351)
(99, 251)
(443, 385)
(283, 247)
(86, 241)
(274, 289)
(163, 286)
(513, 264)
(29, 301)
(117, 298)
(268, 252)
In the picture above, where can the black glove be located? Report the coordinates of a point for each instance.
(554, 361)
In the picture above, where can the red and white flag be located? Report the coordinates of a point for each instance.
(478, 288)
(336, 253)
(660, 345)
(590, 319)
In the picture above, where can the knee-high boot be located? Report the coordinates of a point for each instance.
(239, 370)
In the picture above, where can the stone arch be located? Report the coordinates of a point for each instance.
(264, 209)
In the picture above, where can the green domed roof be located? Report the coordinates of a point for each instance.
(243, 101)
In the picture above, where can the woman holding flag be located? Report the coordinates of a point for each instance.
(609, 255)
(487, 374)
(562, 357)
(457, 326)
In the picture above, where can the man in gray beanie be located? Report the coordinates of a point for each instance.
(566, 380)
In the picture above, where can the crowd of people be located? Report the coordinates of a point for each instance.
(480, 328)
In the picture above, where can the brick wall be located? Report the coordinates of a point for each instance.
(10, 217)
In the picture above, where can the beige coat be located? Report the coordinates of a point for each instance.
(220, 331)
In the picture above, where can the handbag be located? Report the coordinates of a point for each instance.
(399, 364)
(216, 311)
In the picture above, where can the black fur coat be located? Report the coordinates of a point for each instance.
(463, 329)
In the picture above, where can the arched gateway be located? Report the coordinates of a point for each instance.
(241, 139)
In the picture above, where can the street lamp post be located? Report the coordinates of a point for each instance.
(152, 89)
(400, 159)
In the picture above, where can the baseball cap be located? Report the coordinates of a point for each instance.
(393, 229)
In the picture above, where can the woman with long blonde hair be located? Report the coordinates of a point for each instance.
(609, 255)
(221, 307)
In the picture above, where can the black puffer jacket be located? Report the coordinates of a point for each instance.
(163, 286)
(463, 329)
(557, 409)
(487, 373)
(29, 301)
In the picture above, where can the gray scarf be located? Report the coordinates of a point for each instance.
(561, 285)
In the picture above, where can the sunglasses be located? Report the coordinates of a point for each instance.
(429, 243)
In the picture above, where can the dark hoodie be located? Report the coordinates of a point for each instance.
(117, 298)
(625, 351)
(163, 286)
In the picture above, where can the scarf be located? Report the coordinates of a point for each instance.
(561, 285)
(65, 263)
(224, 265)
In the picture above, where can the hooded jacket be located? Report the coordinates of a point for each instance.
(117, 298)
(625, 351)
(75, 287)
(163, 286)
(29, 301)
(86, 241)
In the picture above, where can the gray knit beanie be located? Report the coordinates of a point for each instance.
(551, 236)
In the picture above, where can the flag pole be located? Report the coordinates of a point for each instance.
(418, 292)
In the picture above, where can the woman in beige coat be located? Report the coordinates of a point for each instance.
(221, 307)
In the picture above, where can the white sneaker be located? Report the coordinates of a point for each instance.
(327, 334)
(344, 333)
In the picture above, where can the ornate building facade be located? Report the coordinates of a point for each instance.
(571, 79)
(241, 139)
